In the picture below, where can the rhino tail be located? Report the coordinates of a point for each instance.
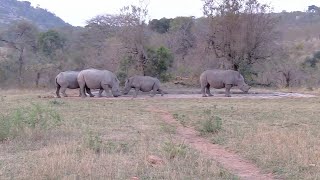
(57, 84)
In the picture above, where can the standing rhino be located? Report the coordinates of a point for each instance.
(222, 79)
(68, 79)
(99, 79)
(143, 83)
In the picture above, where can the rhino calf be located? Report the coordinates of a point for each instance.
(98, 79)
(219, 79)
(68, 80)
(144, 84)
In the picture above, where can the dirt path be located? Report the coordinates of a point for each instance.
(230, 161)
(274, 95)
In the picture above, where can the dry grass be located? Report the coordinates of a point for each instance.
(98, 139)
(280, 135)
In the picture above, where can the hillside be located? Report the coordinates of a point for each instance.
(12, 10)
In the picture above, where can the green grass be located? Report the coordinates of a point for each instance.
(279, 135)
(94, 139)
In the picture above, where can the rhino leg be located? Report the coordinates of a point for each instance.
(228, 87)
(154, 90)
(80, 93)
(100, 92)
(57, 91)
(161, 91)
(203, 90)
(107, 89)
(135, 93)
(89, 92)
(208, 90)
(63, 91)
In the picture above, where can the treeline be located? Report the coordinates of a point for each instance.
(244, 36)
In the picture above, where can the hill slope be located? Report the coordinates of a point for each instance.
(12, 10)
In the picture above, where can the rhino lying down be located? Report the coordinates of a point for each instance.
(68, 79)
(144, 84)
(219, 79)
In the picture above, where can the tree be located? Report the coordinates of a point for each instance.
(182, 36)
(242, 32)
(134, 34)
(161, 26)
(20, 36)
(160, 61)
(50, 41)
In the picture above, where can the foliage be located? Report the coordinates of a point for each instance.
(211, 124)
(174, 150)
(312, 61)
(241, 32)
(12, 10)
(50, 41)
(161, 26)
(160, 61)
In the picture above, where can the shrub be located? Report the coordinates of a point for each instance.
(212, 124)
(174, 150)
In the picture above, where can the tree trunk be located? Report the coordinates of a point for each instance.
(38, 79)
(21, 63)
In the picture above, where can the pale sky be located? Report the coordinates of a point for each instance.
(76, 12)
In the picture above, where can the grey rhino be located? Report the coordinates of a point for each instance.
(143, 83)
(99, 79)
(219, 79)
(68, 79)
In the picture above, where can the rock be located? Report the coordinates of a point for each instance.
(154, 160)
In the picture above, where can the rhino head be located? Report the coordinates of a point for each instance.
(242, 85)
(115, 88)
(127, 86)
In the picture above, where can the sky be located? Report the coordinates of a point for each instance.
(76, 12)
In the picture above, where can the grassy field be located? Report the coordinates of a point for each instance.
(46, 138)
(279, 135)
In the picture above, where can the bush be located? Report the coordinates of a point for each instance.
(212, 124)
(175, 150)
(161, 60)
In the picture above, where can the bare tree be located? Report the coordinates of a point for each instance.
(241, 31)
(21, 36)
(134, 34)
(182, 39)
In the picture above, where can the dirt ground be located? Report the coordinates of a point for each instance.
(229, 160)
(220, 94)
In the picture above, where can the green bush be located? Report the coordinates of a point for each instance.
(175, 150)
(160, 60)
(212, 124)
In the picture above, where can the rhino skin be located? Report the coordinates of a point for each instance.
(144, 84)
(68, 80)
(219, 79)
(99, 79)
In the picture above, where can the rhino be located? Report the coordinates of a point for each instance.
(144, 84)
(68, 80)
(98, 79)
(219, 79)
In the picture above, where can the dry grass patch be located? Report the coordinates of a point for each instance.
(99, 139)
(280, 135)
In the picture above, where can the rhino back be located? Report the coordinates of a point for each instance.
(68, 79)
(94, 78)
(145, 83)
(218, 78)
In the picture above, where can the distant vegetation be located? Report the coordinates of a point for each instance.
(270, 49)
(13, 10)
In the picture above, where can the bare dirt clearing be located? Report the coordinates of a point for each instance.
(196, 95)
